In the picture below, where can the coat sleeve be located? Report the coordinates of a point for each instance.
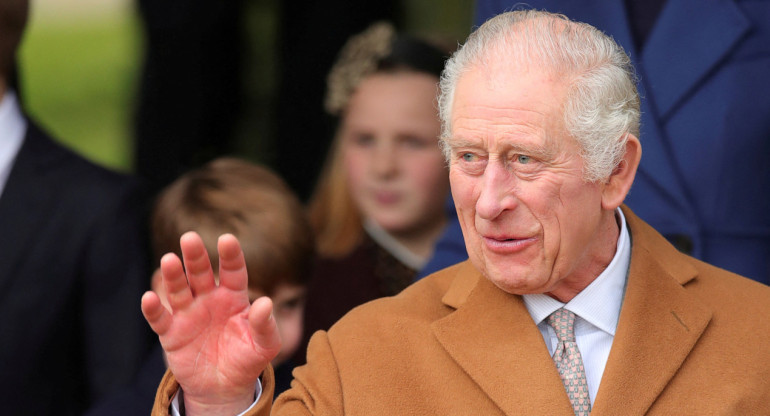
(169, 387)
(316, 388)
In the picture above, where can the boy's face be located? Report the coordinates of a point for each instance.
(288, 309)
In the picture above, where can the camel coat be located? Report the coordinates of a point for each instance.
(692, 339)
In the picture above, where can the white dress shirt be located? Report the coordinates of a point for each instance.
(597, 308)
(13, 127)
(175, 402)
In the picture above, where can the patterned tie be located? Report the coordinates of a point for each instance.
(569, 362)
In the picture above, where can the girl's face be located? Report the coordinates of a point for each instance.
(395, 171)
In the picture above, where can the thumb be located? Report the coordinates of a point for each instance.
(265, 328)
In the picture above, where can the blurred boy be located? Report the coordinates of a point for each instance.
(253, 204)
(233, 196)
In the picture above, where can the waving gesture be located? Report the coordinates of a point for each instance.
(217, 344)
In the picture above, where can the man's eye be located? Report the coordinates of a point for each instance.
(523, 159)
(469, 157)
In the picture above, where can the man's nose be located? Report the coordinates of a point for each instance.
(497, 193)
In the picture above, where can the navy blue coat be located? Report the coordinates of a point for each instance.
(72, 271)
(704, 179)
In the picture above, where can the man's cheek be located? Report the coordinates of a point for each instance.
(463, 192)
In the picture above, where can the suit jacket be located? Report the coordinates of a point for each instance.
(72, 271)
(703, 79)
(691, 340)
(139, 397)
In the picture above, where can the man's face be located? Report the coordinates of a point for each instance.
(531, 223)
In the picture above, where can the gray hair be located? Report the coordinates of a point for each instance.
(602, 104)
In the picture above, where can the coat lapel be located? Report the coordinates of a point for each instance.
(493, 338)
(689, 39)
(23, 204)
(660, 323)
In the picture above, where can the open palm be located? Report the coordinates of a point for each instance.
(217, 344)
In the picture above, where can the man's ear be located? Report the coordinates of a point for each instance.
(616, 187)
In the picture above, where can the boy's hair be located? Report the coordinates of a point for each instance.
(233, 196)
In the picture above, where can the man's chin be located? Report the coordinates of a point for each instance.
(517, 283)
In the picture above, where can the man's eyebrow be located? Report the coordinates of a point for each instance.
(456, 142)
(539, 151)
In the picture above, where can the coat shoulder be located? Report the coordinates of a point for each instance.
(729, 293)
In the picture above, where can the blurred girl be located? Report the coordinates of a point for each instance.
(379, 205)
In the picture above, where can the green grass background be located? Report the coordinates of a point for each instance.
(78, 76)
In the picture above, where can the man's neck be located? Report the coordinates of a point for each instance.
(606, 245)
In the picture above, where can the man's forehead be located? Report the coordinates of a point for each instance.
(513, 54)
(504, 76)
(497, 123)
(506, 98)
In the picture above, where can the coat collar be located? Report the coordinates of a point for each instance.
(659, 324)
(688, 40)
(677, 56)
(492, 337)
(687, 43)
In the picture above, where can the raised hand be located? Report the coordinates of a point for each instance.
(216, 344)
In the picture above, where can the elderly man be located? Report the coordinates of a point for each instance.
(568, 305)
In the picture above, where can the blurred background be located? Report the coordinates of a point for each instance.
(99, 75)
(78, 65)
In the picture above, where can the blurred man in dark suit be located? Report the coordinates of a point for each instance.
(72, 262)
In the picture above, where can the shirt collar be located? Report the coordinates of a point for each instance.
(599, 303)
(13, 127)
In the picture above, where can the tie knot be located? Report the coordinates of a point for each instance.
(563, 322)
